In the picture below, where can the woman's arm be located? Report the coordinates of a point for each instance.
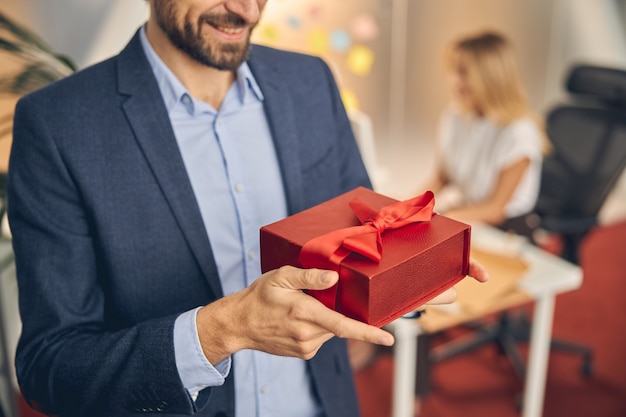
(492, 210)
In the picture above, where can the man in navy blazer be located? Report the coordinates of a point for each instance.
(138, 292)
(111, 246)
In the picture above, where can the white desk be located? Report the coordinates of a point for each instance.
(547, 276)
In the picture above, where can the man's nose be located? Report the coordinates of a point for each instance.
(249, 10)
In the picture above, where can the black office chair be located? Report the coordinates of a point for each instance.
(589, 138)
(588, 135)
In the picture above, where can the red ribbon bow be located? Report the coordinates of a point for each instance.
(329, 250)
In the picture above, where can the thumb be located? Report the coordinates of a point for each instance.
(307, 279)
(322, 279)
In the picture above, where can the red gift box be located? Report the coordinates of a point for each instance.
(416, 261)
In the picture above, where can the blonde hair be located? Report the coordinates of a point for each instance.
(493, 78)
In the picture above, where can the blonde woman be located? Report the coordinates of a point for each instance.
(490, 143)
(490, 147)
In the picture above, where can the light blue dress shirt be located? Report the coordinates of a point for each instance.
(231, 162)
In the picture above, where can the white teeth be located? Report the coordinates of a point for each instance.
(230, 31)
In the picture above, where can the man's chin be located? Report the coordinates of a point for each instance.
(231, 59)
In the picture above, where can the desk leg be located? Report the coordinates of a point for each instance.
(405, 362)
(538, 355)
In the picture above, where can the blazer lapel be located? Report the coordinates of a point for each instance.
(149, 120)
(279, 109)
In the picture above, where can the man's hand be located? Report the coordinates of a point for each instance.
(274, 315)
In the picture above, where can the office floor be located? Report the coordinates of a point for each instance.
(482, 384)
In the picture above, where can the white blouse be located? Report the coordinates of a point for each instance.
(475, 150)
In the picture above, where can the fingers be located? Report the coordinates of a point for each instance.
(304, 279)
(348, 328)
(279, 318)
(477, 271)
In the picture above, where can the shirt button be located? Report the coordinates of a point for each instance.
(239, 187)
(265, 389)
(252, 255)
(218, 121)
(186, 99)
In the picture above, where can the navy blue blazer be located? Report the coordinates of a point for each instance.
(109, 242)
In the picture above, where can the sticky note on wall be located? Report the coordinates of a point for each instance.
(360, 60)
(317, 42)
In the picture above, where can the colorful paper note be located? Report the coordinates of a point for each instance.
(360, 60)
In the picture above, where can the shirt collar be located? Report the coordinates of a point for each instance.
(174, 92)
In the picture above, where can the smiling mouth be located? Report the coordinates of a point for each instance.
(229, 30)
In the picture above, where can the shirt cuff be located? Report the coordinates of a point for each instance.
(194, 369)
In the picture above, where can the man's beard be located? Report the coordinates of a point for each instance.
(227, 56)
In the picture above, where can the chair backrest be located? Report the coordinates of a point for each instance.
(588, 135)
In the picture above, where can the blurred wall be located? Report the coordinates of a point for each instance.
(87, 31)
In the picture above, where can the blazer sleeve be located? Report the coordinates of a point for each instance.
(71, 361)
